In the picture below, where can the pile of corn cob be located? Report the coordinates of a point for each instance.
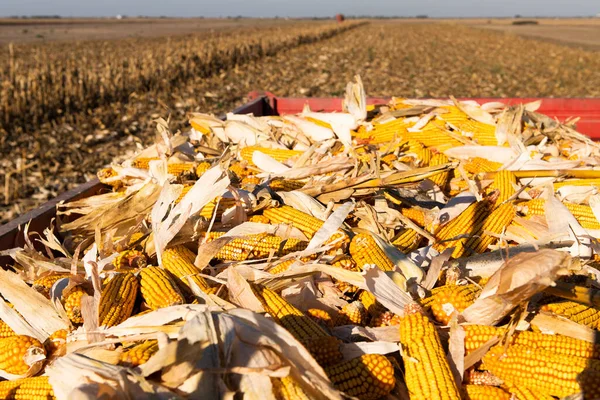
(420, 249)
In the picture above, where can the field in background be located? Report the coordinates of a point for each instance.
(68, 118)
(50, 30)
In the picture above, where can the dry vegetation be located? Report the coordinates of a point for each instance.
(57, 135)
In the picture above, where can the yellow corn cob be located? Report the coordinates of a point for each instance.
(435, 136)
(179, 261)
(117, 299)
(373, 307)
(484, 134)
(520, 392)
(202, 168)
(139, 354)
(415, 214)
(184, 191)
(407, 240)
(173, 168)
(484, 392)
(585, 315)
(441, 179)
(352, 314)
(427, 372)
(504, 182)
(387, 318)
(239, 170)
(319, 122)
(485, 378)
(224, 203)
(280, 155)
(541, 371)
(577, 182)
(287, 388)
(44, 284)
(285, 185)
(464, 223)
(72, 303)
(282, 266)
(104, 176)
(477, 165)
(365, 250)
(389, 159)
(306, 223)
(250, 181)
(445, 300)
(368, 377)
(5, 330)
(258, 246)
(15, 349)
(497, 221)
(55, 342)
(321, 317)
(324, 348)
(581, 212)
(477, 335)
(261, 219)
(383, 133)
(158, 289)
(347, 263)
(130, 259)
(35, 388)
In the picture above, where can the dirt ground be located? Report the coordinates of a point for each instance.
(36, 31)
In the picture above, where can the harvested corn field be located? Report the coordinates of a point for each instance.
(43, 159)
(414, 249)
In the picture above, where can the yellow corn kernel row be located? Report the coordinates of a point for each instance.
(285, 185)
(173, 168)
(504, 182)
(581, 212)
(365, 250)
(427, 372)
(280, 155)
(72, 303)
(415, 214)
(44, 284)
(321, 317)
(117, 299)
(35, 388)
(485, 392)
(477, 335)
(407, 240)
(139, 354)
(287, 388)
(387, 318)
(368, 377)
(478, 165)
(159, 289)
(373, 307)
(582, 314)
(323, 347)
(441, 179)
(130, 259)
(179, 261)
(352, 314)
(257, 246)
(202, 168)
(543, 371)
(445, 300)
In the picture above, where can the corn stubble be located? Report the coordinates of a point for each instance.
(373, 267)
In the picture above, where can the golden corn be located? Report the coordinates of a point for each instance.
(582, 213)
(324, 348)
(387, 318)
(224, 203)
(504, 182)
(282, 266)
(14, 351)
(139, 354)
(582, 314)
(441, 179)
(577, 182)
(202, 168)
(446, 300)
(261, 219)
(352, 314)
(407, 240)
(484, 392)
(321, 317)
(44, 284)
(35, 388)
(130, 259)
(173, 168)
(158, 289)
(72, 303)
(287, 388)
(477, 335)
(541, 371)
(373, 307)
(55, 342)
(179, 261)
(427, 372)
(484, 378)
(285, 185)
(117, 299)
(5, 330)
(523, 393)
(258, 246)
(105, 175)
(497, 221)
(477, 165)
(280, 155)
(239, 169)
(365, 250)
(368, 377)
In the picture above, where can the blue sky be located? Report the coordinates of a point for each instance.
(302, 8)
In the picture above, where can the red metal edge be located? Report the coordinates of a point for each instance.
(586, 109)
